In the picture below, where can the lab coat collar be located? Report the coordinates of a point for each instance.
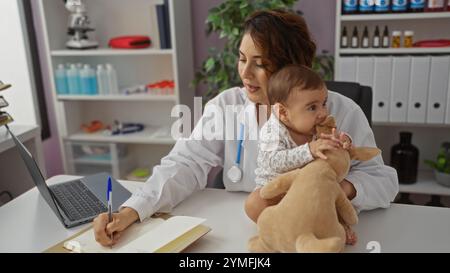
(247, 116)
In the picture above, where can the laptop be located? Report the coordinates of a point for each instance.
(77, 201)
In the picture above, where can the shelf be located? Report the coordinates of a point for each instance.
(426, 184)
(376, 51)
(145, 137)
(406, 124)
(111, 52)
(117, 98)
(87, 160)
(402, 16)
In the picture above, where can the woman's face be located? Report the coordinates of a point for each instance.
(253, 73)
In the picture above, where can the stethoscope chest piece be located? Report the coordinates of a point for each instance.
(235, 174)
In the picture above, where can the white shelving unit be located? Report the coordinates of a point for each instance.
(426, 136)
(113, 18)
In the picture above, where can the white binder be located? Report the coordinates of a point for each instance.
(401, 67)
(381, 89)
(437, 91)
(364, 71)
(346, 69)
(418, 89)
(447, 116)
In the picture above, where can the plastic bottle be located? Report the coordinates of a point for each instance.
(112, 79)
(382, 6)
(405, 158)
(349, 6)
(344, 38)
(365, 38)
(355, 39)
(376, 38)
(435, 5)
(399, 6)
(366, 6)
(62, 87)
(88, 80)
(73, 80)
(385, 39)
(93, 90)
(396, 38)
(416, 5)
(102, 80)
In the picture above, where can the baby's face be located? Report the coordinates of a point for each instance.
(306, 109)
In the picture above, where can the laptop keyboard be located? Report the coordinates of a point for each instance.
(77, 201)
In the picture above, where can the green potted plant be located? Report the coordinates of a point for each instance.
(218, 71)
(442, 165)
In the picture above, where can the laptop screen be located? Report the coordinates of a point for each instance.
(36, 174)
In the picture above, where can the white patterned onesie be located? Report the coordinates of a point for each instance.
(277, 152)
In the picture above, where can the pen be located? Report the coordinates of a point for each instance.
(109, 199)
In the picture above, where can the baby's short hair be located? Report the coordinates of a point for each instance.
(292, 77)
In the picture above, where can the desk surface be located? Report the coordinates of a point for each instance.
(28, 225)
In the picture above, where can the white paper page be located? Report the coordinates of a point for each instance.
(163, 234)
(86, 241)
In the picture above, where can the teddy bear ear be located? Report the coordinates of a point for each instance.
(329, 122)
(364, 153)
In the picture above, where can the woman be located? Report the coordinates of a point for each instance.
(272, 39)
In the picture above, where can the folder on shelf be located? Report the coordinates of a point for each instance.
(162, 13)
(381, 88)
(401, 67)
(364, 71)
(437, 92)
(154, 235)
(347, 69)
(418, 89)
(447, 115)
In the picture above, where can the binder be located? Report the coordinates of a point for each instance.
(401, 67)
(418, 89)
(346, 69)
(364, 71)
(437, 90)
(162, 13)
(381, 88)
(447, 116)
(166, 234)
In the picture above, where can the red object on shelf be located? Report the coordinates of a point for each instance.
(432, 43)
(130, 42)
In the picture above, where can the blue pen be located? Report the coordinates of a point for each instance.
(109, 199)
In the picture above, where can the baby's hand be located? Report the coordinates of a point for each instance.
(341, 137)
(317, 147)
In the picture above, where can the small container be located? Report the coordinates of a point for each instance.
(62, 87)
(408, 38)
(366, 6)
(349, 6)
(355, 38)
(442, 178)
(385, 38)
(399, 6)
(396, 38)
(365, 38)
(405, 159)
(376, 38)
(382, 6)
(344, 38)
(416, 5)
(435, 5)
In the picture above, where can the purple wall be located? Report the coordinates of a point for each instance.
(321, 23)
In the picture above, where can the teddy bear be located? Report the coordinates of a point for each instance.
(312, 215)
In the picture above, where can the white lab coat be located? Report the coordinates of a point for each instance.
(185, 169)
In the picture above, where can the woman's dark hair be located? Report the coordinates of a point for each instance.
(282, 36)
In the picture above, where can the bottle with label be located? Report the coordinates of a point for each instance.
(365, 38)
(416, 5)
(408, 38)
(62, 87)
(349, 6)
(405, 159)
(382, 6)
(366, 6)
(344, 38)
(355, 39)
(435, 5)
(396, 38)
(385, 38)
(102, 80)
(376, 38)
(399, 6)
(112, 80)
(73, 79)
(88, 80)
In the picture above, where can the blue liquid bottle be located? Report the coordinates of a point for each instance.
(62, 87)
(73, 80)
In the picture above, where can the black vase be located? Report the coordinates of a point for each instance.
(405, 159)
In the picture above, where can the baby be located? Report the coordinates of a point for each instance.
(288, 139)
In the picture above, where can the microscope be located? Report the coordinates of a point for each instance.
(78, 26)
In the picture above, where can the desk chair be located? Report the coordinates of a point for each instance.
(360, 94)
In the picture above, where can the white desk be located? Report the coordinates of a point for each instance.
(28, 225)
(12, 168)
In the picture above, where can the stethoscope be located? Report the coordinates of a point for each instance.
(235, 172)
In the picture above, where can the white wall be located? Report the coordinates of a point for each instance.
(15, 64)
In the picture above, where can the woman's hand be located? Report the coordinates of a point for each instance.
(121, 220)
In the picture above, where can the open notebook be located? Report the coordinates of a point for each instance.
(152, 235)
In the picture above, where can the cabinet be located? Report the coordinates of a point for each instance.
(411, 87)
(113, 18)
